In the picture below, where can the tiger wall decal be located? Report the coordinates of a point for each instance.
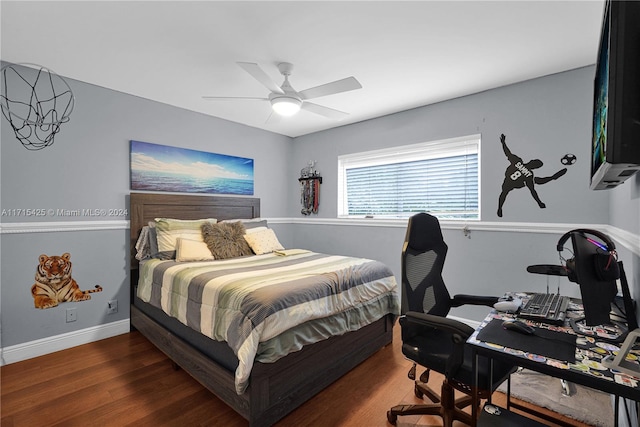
(54, 283)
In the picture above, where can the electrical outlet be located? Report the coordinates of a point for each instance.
(72, 315)
(112, 306)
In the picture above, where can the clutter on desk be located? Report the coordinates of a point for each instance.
(591, 351)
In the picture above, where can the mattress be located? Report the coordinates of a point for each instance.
(267, 306)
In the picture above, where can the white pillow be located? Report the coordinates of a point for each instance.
(263, 242)
(192, 250)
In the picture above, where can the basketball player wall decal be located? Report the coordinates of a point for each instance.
(519, 174)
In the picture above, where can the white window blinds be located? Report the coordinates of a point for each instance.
(439, 177)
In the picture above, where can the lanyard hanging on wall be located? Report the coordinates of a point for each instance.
(310, 181)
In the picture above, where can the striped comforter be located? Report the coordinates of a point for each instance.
(249, 301)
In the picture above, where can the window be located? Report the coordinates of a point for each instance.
(439, 177)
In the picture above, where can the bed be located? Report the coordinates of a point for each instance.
(265, 391)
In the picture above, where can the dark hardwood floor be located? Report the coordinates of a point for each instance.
(124, 381)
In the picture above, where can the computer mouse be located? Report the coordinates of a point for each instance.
(518, 326)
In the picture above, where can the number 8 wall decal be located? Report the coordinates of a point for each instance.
(519, 174)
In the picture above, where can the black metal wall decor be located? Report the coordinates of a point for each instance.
(36, 102)
(310, 181)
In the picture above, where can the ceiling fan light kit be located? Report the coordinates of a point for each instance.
(286, 101)
(285, 105)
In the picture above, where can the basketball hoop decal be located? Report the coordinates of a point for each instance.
(36, 102)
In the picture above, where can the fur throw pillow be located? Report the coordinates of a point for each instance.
(225, 240)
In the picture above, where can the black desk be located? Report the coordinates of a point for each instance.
(585, 371)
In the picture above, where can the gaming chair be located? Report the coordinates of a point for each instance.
(432, 340)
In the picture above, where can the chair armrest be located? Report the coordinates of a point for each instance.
(462, 299)
(417, 320)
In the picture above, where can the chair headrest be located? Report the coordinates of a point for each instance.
(423, 232)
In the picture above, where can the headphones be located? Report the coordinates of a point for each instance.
(604, 261)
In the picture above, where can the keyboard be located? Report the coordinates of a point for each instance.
(545, 308)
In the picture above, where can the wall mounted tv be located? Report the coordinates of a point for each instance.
(615, 150)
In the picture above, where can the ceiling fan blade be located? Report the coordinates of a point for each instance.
(258, 74)
(344, 85)
(273, 118)
(324, 111)
(226, 98)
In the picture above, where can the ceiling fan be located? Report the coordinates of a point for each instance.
(286, 101)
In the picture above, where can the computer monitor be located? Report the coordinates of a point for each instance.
(615, 153)
(591, 255)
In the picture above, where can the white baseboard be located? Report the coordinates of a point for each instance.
(28, 350)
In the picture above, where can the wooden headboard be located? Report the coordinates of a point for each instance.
(144, 207)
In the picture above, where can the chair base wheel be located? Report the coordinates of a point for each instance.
(418, 392)
(393, 419)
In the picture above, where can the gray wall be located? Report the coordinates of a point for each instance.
(543, 118)
(625, 215)
(87, 167)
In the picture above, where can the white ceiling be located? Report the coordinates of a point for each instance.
(405, 54)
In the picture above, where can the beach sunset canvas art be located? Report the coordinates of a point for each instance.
(157, 167)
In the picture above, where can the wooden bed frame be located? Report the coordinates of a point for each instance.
(275, 389)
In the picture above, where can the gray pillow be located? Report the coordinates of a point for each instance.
(249, 223)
